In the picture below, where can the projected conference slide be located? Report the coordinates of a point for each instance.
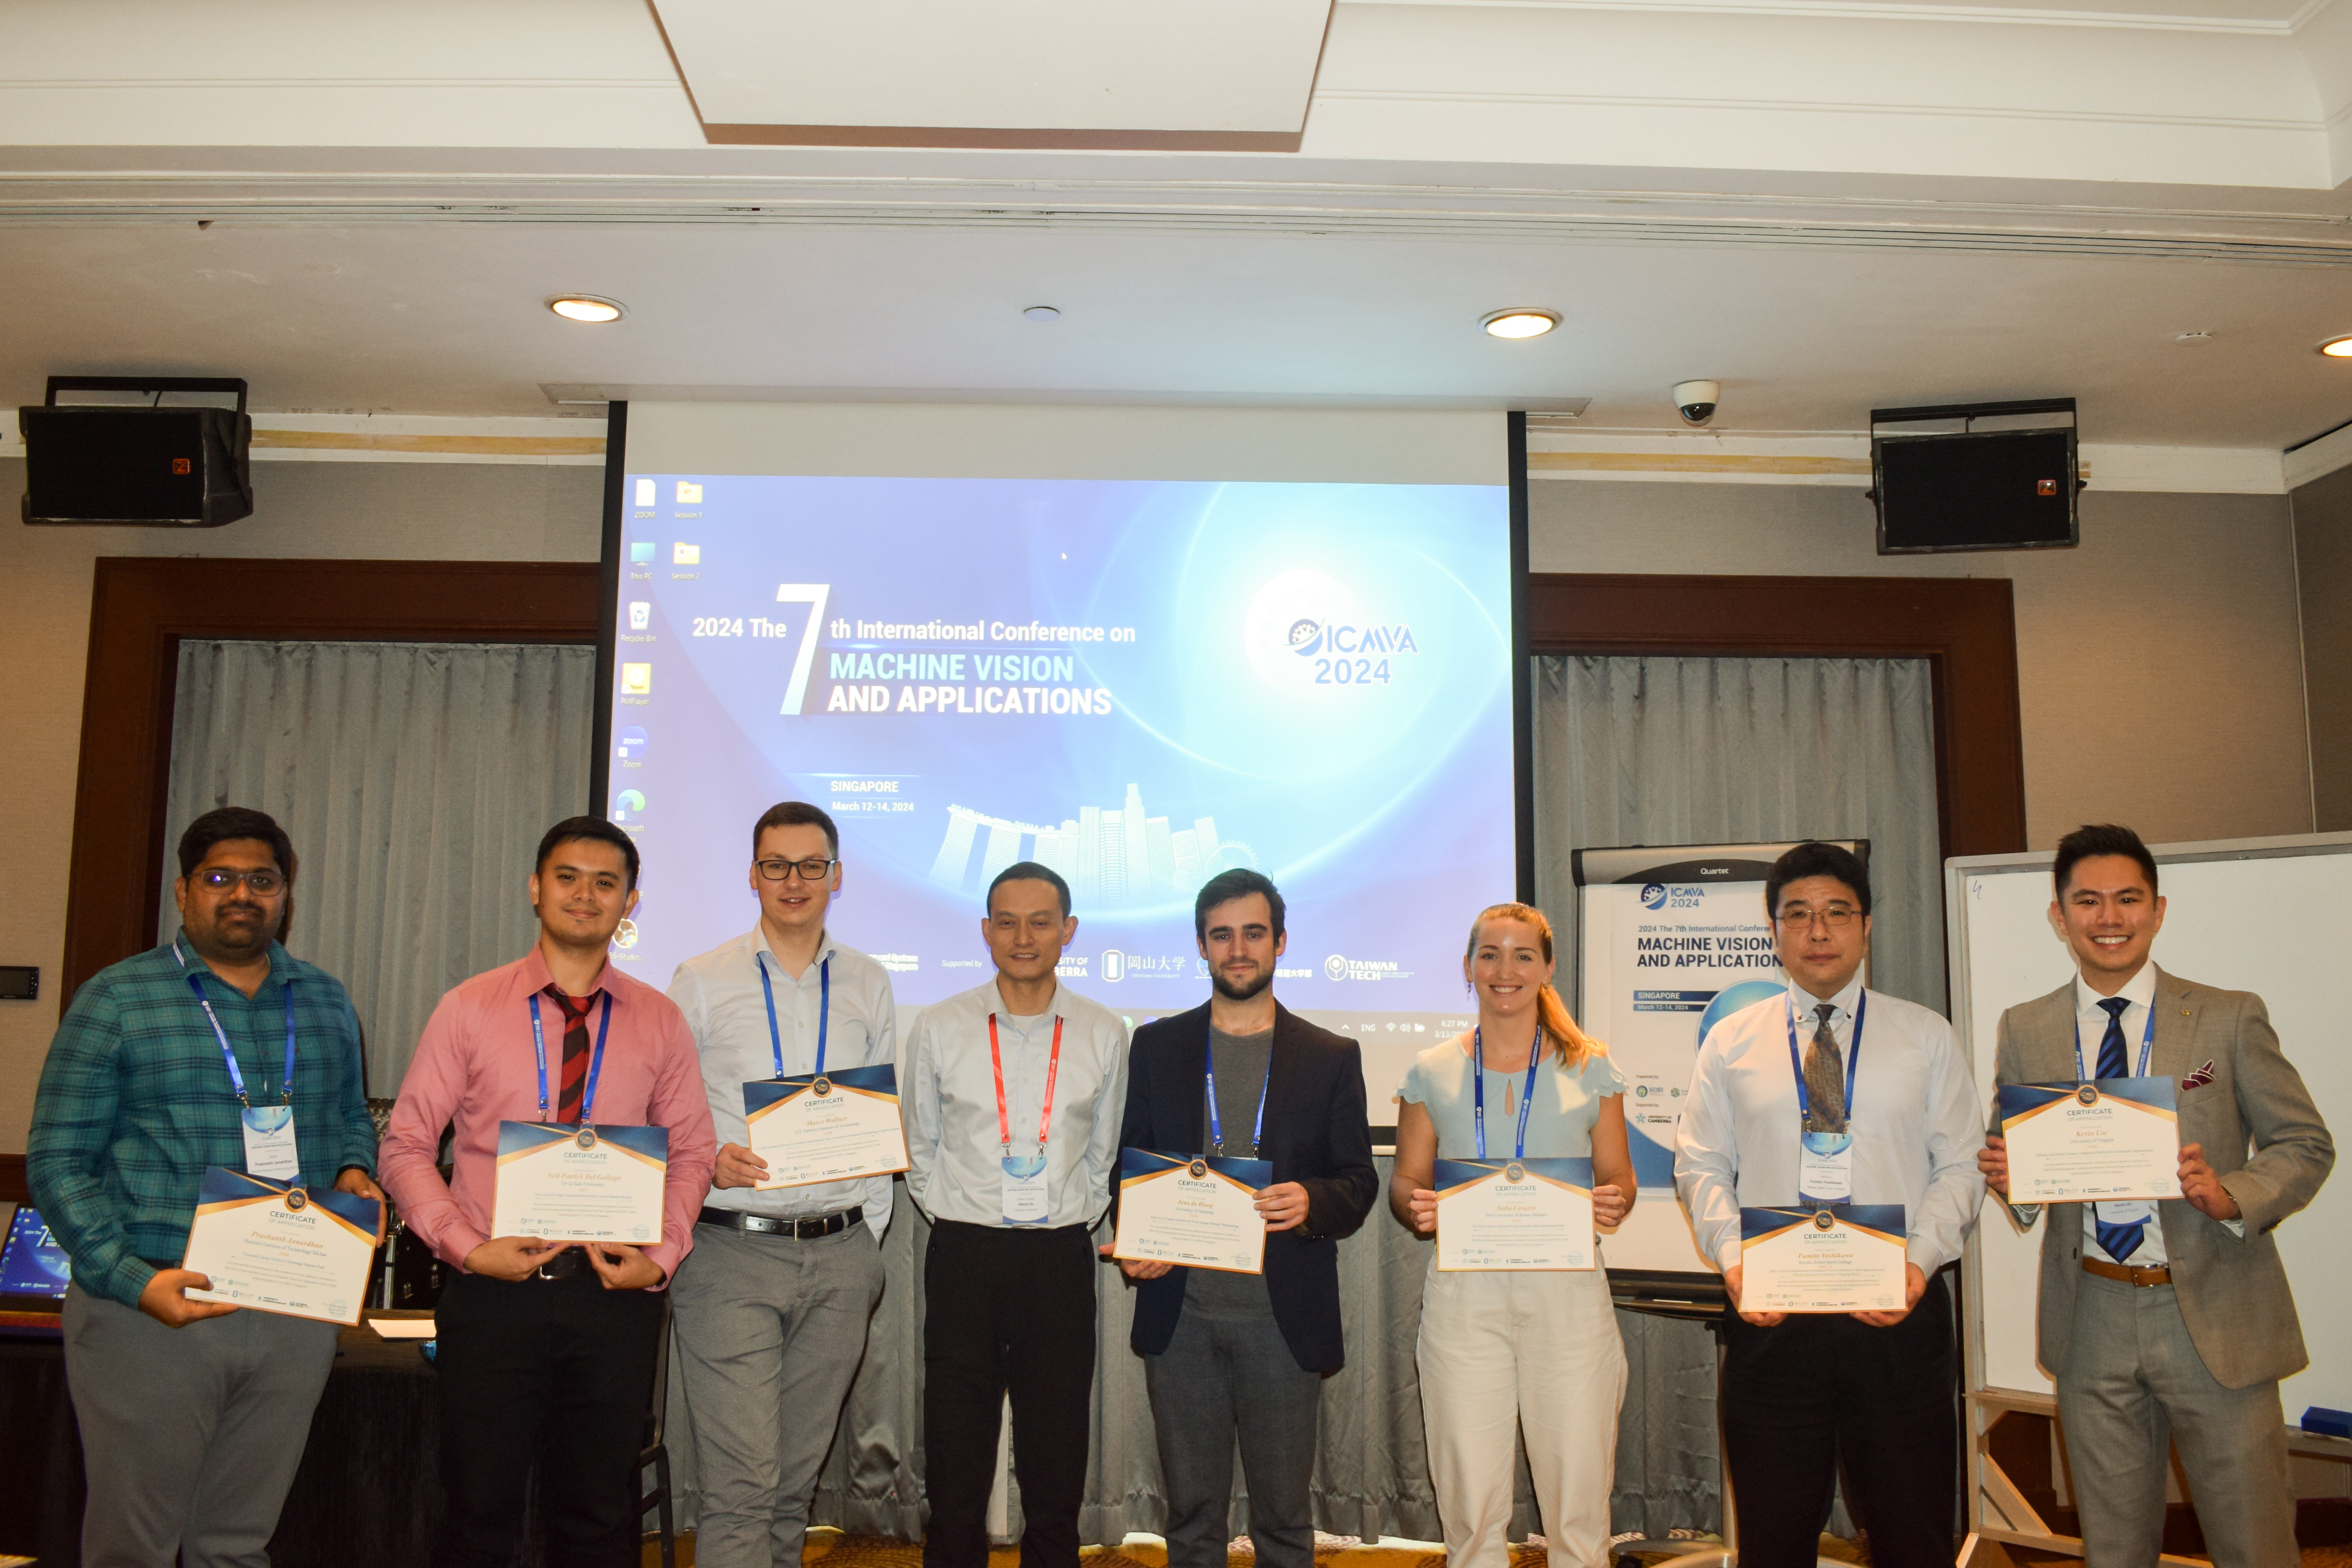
(1139, 684)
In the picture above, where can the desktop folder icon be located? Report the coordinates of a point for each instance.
(642, 552)
(636, 680)
(688, 493)
(686, 554)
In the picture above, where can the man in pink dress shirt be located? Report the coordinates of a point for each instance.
(547, 1350)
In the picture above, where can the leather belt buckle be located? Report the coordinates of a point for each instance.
(562, 1266)
(2129, 1274)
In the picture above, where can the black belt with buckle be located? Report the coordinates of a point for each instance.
(564, 1265)
(798, 1230)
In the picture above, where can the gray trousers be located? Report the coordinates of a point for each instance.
(2135, 1384)
(770, 1332)
(1218, 1377)
(190, 1437)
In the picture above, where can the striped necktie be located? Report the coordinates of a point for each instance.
(575, 1052)
(2114, 1061)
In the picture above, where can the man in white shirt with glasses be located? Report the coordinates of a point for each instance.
(773, 1306)
(1878, 1093)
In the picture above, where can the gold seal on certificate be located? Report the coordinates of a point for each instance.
(1845, 1258)
(564, 1182)
(303, 1252)
(1193, 1209)
(2080, 1143)
(1514, 1214)
(827, 1126)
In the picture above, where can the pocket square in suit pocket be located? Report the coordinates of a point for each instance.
(2199, 1079)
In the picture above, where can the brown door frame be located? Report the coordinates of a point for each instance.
(140, 607)
(1965, 627)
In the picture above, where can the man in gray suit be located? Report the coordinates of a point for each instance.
(2169, 1321)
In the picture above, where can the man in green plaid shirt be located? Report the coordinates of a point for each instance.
(194, 1414)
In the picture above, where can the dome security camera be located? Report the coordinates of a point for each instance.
(1695, 400)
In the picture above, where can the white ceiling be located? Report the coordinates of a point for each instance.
(1827, 206)
(1207, 70)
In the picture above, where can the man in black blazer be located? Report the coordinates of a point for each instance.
(1246, 1353)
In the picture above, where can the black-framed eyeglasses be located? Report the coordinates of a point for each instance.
(263, 880)
(815, 868)
(1837, 916)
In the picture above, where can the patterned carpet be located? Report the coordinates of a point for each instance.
(838, 1550)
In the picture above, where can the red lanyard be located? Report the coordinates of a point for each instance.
(1045, 1112)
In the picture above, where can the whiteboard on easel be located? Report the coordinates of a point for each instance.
(2273, 916)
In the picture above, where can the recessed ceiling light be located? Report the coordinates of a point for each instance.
(1519, 321)
(1042, 313)
(2337, 348)
(2197, 340)
(586, 307)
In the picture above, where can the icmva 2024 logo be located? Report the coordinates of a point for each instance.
(1310, 638)
(1653, 895)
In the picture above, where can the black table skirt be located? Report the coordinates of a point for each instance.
(367, 1494)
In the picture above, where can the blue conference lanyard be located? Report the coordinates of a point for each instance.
(1852, 1060)
(228, 1052)
(1216, 1123)
(1478, 1091)
(2146, 1043)
(595, 1062)
(824, 1011)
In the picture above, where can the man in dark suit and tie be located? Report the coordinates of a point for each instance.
(1226, 1353)
(2169, 1321)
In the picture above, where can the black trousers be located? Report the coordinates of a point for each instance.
(560, 1371)
(1006, 1312)
(1820, 1390)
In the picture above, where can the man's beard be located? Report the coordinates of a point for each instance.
(1233, 992)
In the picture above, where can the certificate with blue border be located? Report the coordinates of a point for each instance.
(565, 1182)
(1514, 1214)
(274, 1247)
(1198, 1210)
(825, 1127)
(1841, 1258)
(2082, 1141)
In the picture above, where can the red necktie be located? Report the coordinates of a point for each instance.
(575, 1053)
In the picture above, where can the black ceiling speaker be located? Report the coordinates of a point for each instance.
(1975, 475)
(116, 463)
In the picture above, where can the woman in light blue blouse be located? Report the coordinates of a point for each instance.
(1535, 1351)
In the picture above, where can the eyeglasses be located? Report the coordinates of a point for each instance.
(813, 870)
(1837, 916)
(263, 880)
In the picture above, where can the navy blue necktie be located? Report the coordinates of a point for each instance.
(2120, 1240)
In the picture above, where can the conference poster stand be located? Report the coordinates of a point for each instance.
(1671, 939)
(2223, 927)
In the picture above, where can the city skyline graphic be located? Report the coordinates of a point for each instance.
(1113, 858)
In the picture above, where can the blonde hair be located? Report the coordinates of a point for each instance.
(1573, 1046)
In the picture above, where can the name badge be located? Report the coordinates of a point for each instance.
(1024, 1189)
(1824, 1167)
(269, 1148)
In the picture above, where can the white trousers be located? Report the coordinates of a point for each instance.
(1535, 1352)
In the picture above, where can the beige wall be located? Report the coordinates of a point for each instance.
(2323, 546)
(2159, 664)
(351, 510)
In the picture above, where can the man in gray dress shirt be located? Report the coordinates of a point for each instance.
(1013, 1097)
(772, 1305)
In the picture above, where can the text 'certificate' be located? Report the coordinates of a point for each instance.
(304, 1252)
(563, 1183)
(2078, 1143)
(1514, 1214)
(1193, 1209)
(1846, 1258)
(827, 1126)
